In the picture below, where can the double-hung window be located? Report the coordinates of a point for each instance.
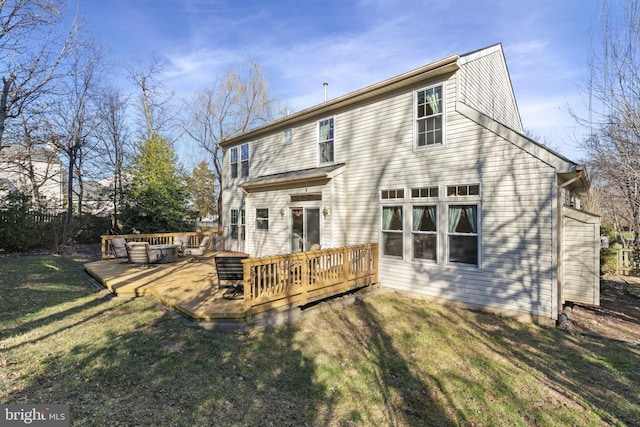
(424, 231)
(233, 224)
(325, 140)
(262, 219)
(244, 160)
(429, 117)
(462, 233)
(240, 168)
(234, 162)
(392, 231)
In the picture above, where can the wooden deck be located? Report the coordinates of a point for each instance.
(188, 287)
(273, 283)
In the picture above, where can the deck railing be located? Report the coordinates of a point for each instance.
(154, 239)
(297, 279)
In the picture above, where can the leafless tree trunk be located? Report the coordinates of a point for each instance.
(154, 101)
(31, 53)
(75, 119)
(114, 135)
(233, 104)
(613, 93)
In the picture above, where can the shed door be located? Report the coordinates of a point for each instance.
(580, 257)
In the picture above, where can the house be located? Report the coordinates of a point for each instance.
(35, 170)
(433, 165)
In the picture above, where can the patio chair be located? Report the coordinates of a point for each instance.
(182, 242)
(229, 269)
(140, 253)
(119, 247)
(199, 251)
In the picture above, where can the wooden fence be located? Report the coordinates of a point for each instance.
(628, 261)
(297, 279)
(153, 239)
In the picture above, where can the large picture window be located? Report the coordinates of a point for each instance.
(462, 233)
(392, 231)
(429, 117)
(424, 232)
(325, 140)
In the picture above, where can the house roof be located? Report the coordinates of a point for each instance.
(36, 153)
(293, 179)
(437, 68)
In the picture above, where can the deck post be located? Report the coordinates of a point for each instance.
(246, 267)
(305, 279)
(345, 268)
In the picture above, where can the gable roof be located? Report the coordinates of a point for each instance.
(441, 67)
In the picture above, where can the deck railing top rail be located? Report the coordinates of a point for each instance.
(154, 239)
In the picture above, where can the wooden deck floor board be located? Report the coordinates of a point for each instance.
(189, 287)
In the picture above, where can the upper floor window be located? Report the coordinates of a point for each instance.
(429, 117)
(234, 162)
(325, 140)
(244, 160)
(243, 171)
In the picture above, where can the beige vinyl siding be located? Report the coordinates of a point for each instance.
(581, 257)
(375, 140)
(485, 86)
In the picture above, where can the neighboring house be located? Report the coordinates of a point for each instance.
(22, 169)
(434, 166)
(95, 197)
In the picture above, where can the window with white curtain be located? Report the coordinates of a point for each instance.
(424, 231)
(262, 219)
(392, 231)
(429, 116)
(462, 233)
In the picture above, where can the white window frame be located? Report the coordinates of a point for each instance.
(243, 171)
(234, 215)
(262, 220)
(385, 231)
(477, 234)
(417, 120)
(330, 141)
(233, 162)
(436, 233)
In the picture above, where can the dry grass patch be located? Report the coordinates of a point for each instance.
(384, 361)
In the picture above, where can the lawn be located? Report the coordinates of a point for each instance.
(384, 361)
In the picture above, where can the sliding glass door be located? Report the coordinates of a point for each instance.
(305, 228)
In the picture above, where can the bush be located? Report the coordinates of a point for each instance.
(609, 256)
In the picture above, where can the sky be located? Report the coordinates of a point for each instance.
(352, 44)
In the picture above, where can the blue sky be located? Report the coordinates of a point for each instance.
(352, 44)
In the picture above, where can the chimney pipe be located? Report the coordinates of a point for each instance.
(325, 84)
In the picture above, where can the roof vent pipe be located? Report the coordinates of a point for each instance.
(326, 85)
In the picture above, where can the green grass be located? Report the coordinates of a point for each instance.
(384, 361)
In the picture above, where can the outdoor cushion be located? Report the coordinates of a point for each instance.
(119, 247)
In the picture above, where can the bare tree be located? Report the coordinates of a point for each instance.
(113, 135)
(613, 93)
(154, 102)
(232, 104)
(32, 53)
(74, 120)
